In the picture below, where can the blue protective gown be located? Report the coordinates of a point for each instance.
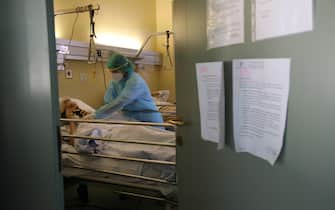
(132, 96)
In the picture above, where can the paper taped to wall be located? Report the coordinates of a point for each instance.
(260, 96)
(211, 101)
(273, 18)
(225, 22)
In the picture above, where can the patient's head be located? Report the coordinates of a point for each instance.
(70, 109)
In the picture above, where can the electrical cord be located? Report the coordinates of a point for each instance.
(73, 27)
(72, 33)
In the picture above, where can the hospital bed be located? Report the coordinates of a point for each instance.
(135, 159)
(167, 109)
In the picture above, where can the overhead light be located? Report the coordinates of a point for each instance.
(118, 41)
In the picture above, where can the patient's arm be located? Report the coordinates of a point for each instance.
(70, 107)
(72, 131)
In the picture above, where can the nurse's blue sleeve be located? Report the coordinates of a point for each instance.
(110, 93)
(133, 88)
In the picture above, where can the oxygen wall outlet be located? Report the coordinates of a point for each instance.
(68, 73)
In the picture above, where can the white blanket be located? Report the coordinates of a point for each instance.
(123, 149)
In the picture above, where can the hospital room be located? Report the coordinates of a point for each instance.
(167, 105)
(115, 68)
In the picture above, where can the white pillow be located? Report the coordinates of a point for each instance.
(81, 104)
(161, 95)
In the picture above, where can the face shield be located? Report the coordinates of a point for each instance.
(117, 73)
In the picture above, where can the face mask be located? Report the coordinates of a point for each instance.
(117, 76)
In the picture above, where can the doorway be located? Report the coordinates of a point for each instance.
(87, 82)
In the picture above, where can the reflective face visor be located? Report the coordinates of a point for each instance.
(118, 69)
(115, 70)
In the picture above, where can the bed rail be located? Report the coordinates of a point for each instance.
(124, 158)
(167, 112)
(121, 140)
(167, 182)
(118, 122)
(147, 197)
(162, 181)
(166, 105)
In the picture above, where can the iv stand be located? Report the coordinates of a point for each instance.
(92, 56)
(81, 9)
(167, 33)
(91, 9)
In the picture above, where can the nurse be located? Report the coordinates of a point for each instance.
(128, 92)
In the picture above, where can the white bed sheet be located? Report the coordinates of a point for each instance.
(123, 149)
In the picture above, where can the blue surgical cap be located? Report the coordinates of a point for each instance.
(119, 61)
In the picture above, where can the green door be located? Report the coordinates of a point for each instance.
(29, 157)
(303, 178)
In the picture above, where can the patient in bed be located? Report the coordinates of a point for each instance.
(73, 108)
(70, 109)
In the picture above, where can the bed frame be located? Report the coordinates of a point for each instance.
(150, 189)
(167, 113)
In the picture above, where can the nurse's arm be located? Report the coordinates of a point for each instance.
(130, 93)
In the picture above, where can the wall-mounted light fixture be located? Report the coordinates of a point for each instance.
(116, 40)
